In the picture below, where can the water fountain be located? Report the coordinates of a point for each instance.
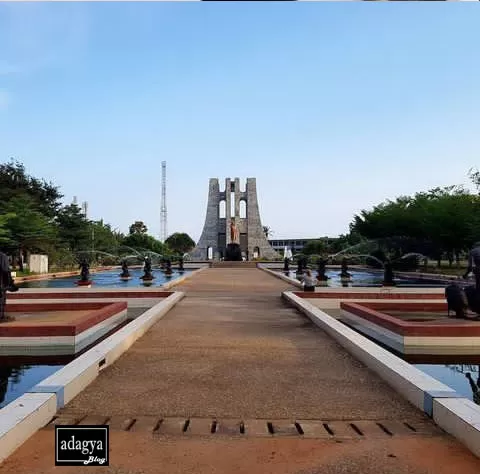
(84, 274)
(321, 268)
(147, 277)
(125, 275)
(302, 262)
(345, 276)
(168, 268)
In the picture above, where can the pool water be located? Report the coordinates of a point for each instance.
(17, 378)
(108, 279)
(370, 278)
(454, 376)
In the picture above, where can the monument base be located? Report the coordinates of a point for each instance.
(233, 253)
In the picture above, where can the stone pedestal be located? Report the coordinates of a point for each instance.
(233, 253)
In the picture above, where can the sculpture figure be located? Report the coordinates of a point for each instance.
(321, 268)
(344, 272)
(6, 284)
(125, 273)
(147, 270)
(168, 267)
(233, 231)
(474, 386)
(388, 279)
(85, 271)
(286, 265)
(474, 265)
(180, 265)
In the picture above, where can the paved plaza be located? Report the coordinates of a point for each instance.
(233, 380)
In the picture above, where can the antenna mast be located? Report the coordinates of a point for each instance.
(163, 208)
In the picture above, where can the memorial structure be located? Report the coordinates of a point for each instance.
(229, 233)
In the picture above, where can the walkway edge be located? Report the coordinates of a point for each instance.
(283, 277)
(454, 413)
(175, 282)
(23, 417)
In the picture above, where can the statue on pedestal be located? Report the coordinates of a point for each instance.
(234, 235)
(388, 279)
(85, 271)
(344, 275)
(474, 265)
(6, 284)
(147, 270)
(321, 269)
(125, 275)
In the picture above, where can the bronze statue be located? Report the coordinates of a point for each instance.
(180, 265)
(474, 386)
(147, 270)
(125, 273)
(233, 231)
(474, 265)
(85, 271)
(6, 284)
(286, 265)
(344, 273)
(168, 265)
(321, 268)
(388, 279)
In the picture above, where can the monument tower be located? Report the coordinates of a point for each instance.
(232, 218)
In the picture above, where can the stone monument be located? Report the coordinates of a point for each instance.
(231, 235)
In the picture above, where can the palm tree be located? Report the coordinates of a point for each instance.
(267, 231)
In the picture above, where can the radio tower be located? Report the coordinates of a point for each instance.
(163, 208)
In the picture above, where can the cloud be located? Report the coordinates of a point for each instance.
(5, 99)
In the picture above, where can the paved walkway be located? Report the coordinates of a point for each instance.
(233, 359)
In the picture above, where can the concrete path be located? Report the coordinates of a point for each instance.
(233, 359)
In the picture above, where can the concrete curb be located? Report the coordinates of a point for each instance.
(281, 276)
(452, 412)
(20, 419)
(182, 279)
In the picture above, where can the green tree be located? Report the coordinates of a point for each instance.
(316, 247)
(267, 231)
(103, 237)
(474, 175)
(5, 234)
(180, 242)
(15, 182)
(145, 242)
(73, 228)
(138, 227)
(29, 230)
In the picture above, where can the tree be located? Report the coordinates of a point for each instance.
(475, 178)
(180, 242)
(141, 242)
(267, 231)
(316, 247)
(29, 230)
(15, 182)
(138, 227)
(5, 234)
(73, 228)
(435, 222)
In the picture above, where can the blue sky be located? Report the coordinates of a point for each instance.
(333, 107)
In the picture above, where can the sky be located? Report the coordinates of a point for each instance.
(333, 107)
